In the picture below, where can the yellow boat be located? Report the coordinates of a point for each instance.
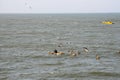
(107, 22)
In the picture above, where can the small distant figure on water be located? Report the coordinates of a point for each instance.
(97, 57)
(118, 52)
(55, 52)
(74, 53)
(85, 49)
(78, 52)
(60, 45)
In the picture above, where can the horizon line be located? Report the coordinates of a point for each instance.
(64, 13)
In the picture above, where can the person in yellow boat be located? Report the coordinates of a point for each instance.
(107, 22)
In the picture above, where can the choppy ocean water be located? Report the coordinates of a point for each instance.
(26, 39)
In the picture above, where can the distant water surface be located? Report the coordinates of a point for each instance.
(26, 39)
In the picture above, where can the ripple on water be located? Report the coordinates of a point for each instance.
(4, 72)
(52, 64)
(107, 74)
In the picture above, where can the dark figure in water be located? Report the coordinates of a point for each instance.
(55, 51)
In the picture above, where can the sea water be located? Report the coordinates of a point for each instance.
(26, 39)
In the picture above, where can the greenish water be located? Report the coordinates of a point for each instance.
(26, 39)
